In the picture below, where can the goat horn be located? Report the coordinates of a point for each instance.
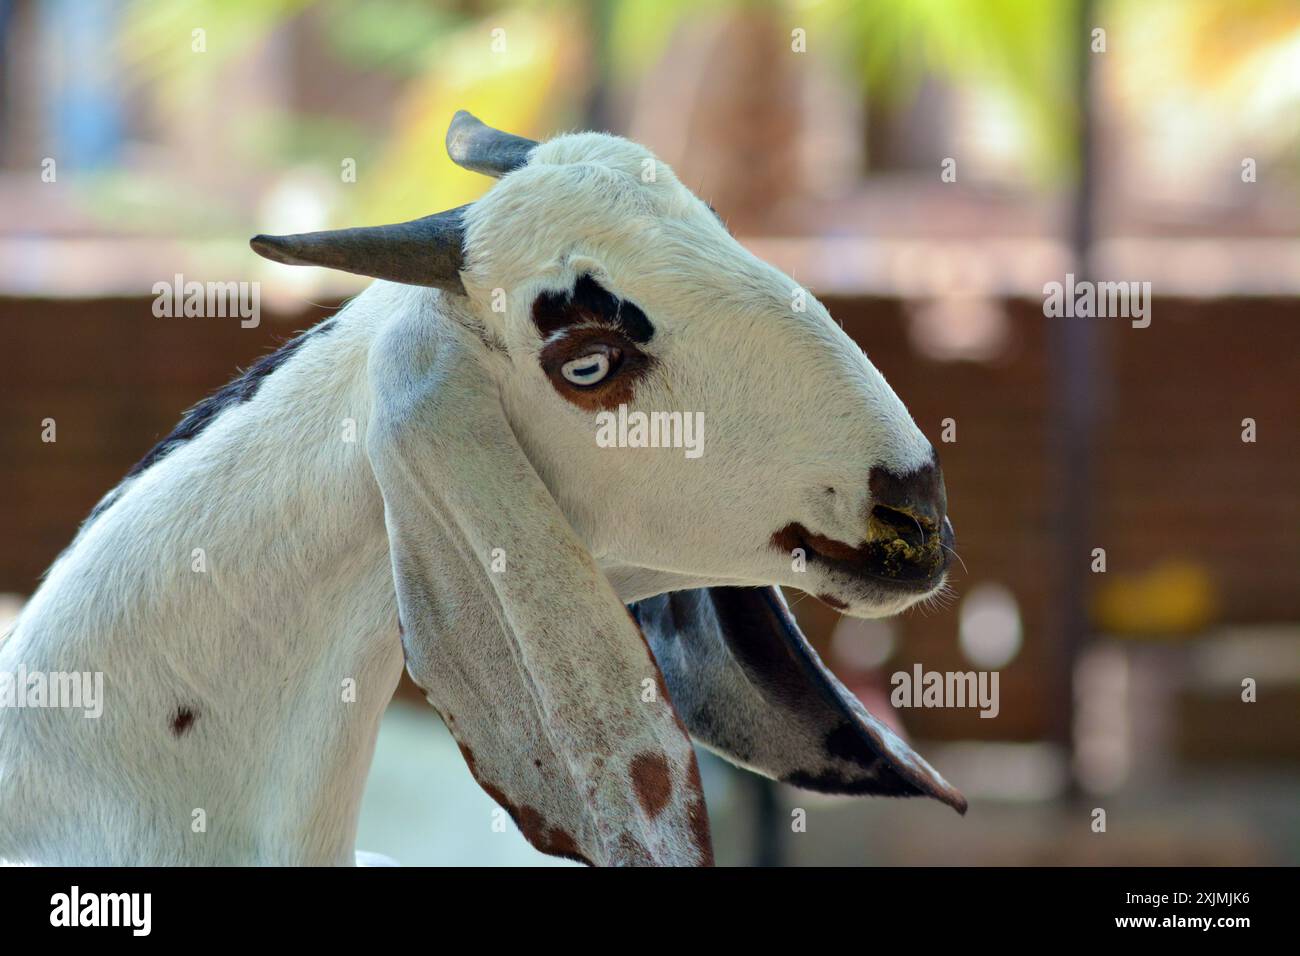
(476, 146)
(426, 251)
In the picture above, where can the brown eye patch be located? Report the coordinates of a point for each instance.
(627, 366)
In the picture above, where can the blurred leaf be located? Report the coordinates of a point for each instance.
(523, 90)
(278, 136)
(1021, 48)
(392, 34)
(155, 44)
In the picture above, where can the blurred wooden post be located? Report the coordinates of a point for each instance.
(769, 843)
(1076, 369)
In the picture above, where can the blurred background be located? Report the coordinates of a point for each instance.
(925, 168)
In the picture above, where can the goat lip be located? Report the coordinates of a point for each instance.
(900, 584)
(869, 561)
(816, 547)
(895, 578)
(858, 583)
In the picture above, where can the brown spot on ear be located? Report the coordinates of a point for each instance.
(469, 758)
(661, 686)
(553, 840)
(550, 840)
(182, 721)
(634, 849)
(652, 781)
(531, 824)
(561, 843)
(697, 812)
(699, 815)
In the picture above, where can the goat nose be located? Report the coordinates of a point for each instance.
(912, 506)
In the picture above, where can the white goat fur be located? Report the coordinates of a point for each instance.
(299, 590)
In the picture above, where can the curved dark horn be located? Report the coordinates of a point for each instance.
(426, 251)
(483, 149)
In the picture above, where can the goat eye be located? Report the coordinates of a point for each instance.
(588, 369)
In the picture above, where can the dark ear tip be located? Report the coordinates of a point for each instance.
(945, 793)
(461, 123)
(474, 145)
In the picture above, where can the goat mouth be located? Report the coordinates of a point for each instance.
(894, 565)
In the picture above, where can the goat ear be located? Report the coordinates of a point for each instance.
(751, 688)
(473, 144)
(516, 637)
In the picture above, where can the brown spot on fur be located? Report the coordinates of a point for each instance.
(182, 721)
(469, 758)
(531, 824)
(550, 840)
(634, 850)
(561, 843)
(697, 812)
(661, 686)
(700, 836)
(652, 781)
(698, 815)
(693, 775)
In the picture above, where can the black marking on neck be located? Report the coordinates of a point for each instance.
(192, 424)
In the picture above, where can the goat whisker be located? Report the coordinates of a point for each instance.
(955, 555)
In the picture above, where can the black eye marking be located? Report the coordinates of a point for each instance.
(589, 301)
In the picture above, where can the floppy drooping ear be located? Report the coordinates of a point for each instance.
(752, 689)
(510, 628)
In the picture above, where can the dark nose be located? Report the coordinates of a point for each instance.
(912, 506)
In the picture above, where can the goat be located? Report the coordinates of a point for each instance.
(576, 614)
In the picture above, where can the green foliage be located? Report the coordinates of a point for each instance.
(393, 35)
(1019, 54)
